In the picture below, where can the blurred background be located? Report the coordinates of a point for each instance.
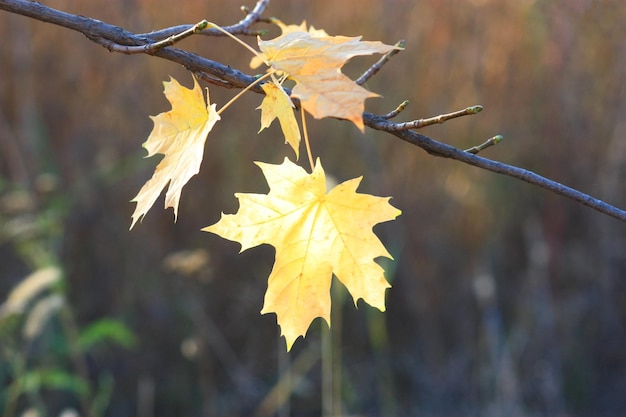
(505, 299)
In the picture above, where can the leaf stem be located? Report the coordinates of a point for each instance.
(239, 41)
(306, 138)
(232, 100)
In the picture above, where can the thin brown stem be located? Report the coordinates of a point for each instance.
(236, 39)
(248, 88)
(152, 47)
(373, 70)
(396, 111)
(437, 148)
(489, 142)
(442, 118)
(306, 138)
(240, 28)
(201, 75)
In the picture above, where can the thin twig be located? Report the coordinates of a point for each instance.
(201, 75)
(437, 148)
(154, 46)
(306, 139)
(416, 124)
(240, 28)
(373, 70)
(246, 10)
(396, 111)
(242, 92)
(489, 142)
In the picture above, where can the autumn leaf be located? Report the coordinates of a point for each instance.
(179, 134)
(277, 104)
(314, 61)
(318, 33)
(315, 234)
(258, 60)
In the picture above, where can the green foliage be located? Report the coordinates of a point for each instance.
(104, 330)
(42, 350)
(57, 379)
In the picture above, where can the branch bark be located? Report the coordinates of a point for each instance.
(115, 38)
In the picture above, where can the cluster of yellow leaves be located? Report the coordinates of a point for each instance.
(313, 59)
(316, 233)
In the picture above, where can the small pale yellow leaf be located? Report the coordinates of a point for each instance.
(277, 104)
(315, 234)
(179, 134)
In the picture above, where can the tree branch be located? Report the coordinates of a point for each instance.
(224, 76)
(240, 28)
(436, 148)
(442, 118)
(153, 46)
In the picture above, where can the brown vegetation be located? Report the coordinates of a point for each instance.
(506, 300)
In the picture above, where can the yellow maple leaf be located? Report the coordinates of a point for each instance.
(314, 60)
(277, 104)
(180, 135)
(258, 60)
(299, 28)
(315, 234)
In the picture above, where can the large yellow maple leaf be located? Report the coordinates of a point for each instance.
(180, 135)
(314, 59)
(315, 234)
